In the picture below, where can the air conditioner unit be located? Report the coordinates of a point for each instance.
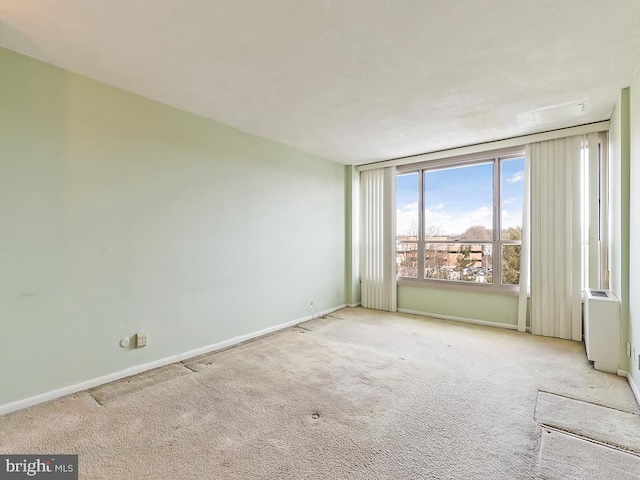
(602, 329)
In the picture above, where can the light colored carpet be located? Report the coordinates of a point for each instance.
(601, 424)
(565, 457)
(361, 396)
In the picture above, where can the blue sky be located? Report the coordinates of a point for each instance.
(458, 198)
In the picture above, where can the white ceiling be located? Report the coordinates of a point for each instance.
(354, 81)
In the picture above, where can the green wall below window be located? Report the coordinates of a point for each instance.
(485, 307)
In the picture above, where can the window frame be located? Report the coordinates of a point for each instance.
(497, 243)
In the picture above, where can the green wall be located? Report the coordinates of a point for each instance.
(121, 214)
(619, 215)
(486, 307)
(634, 230)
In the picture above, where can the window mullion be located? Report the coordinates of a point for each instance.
(497, 225)
(421, 226)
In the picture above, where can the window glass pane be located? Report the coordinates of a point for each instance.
(458, 203)
(510, 264)
(407, 259)
(407, 225)
(464, 262)
(407, 206)
(512, 191)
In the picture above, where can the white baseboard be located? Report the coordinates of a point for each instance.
(353, 305)
(459, 319)
(634, 388)
(622, 373)
(136, 369)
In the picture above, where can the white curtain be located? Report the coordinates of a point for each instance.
(525, 249)
(377, 238)
(556, 270)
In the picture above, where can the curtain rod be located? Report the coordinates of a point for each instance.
(483, 147)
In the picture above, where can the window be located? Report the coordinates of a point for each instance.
(594, 220)
(459, 221)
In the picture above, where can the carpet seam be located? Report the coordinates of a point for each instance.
(126, 394)
(94, 398)
(588, 439)
(535, 407)
(582, 401)
(188, 367)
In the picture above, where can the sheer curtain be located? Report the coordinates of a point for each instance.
(377, 238)
(555, 236)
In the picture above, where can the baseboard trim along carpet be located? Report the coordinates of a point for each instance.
(459, 319)
(136, 369)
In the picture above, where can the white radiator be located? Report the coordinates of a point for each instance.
(602, 329)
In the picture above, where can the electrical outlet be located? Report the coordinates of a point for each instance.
(141, 339)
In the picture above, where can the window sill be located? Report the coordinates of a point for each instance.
(511, 291)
